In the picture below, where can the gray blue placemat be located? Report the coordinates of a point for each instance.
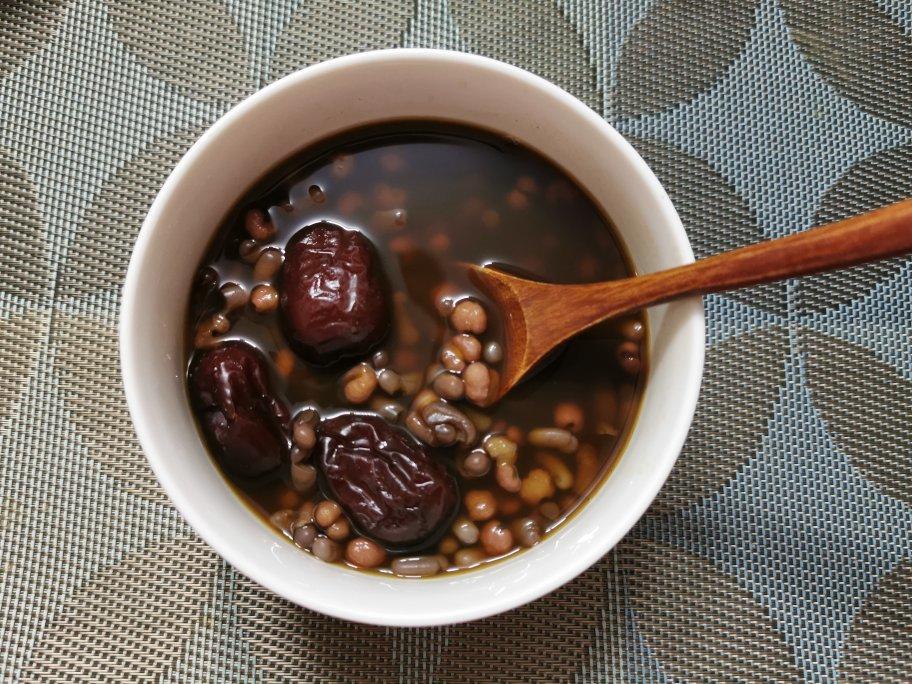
(781, 547)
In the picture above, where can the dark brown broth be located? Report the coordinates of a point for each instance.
(448, 180)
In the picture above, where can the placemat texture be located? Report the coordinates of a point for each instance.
(781, 548)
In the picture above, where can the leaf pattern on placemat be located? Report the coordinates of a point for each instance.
(559, 625)
(100, 248)
(21, 333)
(867, 407)
(697, 620)
(296, 634)
(26, 23)
(876, 181)
(731, 418)
(877, 646)
(86, 357)
(321, 30)
(714, 215)
(862, 51)
(133, 621)
(194, 46)
(24, 268)
(678, 50)
(536, 36)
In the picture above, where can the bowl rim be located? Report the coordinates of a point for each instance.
(219, 539)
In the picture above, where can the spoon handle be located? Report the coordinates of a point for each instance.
(879, 234)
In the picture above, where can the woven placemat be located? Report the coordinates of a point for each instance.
(781, 547)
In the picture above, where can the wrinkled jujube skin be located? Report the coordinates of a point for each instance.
(392, 489)
(334, 294)
(246, 424)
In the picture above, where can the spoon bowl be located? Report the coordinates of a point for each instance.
(540, 316)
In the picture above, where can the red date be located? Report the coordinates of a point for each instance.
(389, 485)
(246, 425)
(334, 295)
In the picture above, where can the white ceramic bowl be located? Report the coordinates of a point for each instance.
(313, 104)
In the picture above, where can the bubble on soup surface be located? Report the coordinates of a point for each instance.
(334, 297)
(241, 416)
(389, 485)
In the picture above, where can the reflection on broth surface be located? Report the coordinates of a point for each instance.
(338, 354)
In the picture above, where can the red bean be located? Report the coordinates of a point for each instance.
(326, 549)
(305, 514)
(628, 355)
(364, 553)
(359, 383)
(268, 264)
(264, 298)
(451, 357)
(282, 519)
(303, 477)
(326, 513)
(496, 539)
(476, 463)
(633, 329)
(569, 415)
(507, 477)
(449, 386)
(526, 531)
(389, 381)
(303, 434)
(477, 380)
(235, 296)
(480, 504)
(339, 530)
(465, 558)
(258, 225)
(448, 546)
(469, 316)
(468, 345)
(304, 536)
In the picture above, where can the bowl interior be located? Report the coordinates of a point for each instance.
(319, 102)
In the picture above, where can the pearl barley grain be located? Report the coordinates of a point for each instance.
(420, 566)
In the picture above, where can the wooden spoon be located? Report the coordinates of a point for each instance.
(539, 316)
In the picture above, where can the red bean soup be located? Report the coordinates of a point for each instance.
(339, 358)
